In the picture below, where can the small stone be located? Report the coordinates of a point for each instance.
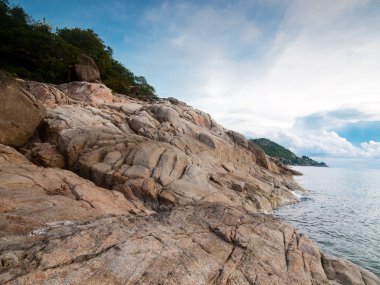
(238, 185)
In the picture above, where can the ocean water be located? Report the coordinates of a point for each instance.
(341, 211)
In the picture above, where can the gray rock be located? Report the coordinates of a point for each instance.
(167, 114)
(207, 139)
(238, 185)
(238, 138)
(137, 171)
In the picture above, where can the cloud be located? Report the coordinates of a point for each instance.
(290, 59)
(311, 14)
(316, 144)
(345, 133)
(301, 79)
(333, 119)
(324, 144)
(372, 149)
(301, 71)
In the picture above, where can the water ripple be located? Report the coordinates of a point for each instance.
(341, 212)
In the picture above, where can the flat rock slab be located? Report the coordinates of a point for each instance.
(203, 244)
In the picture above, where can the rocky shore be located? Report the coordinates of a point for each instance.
(100, 188)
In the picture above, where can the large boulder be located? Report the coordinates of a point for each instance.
(20, 112)
(85, 70)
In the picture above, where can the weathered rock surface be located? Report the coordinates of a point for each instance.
(20, 112)
(208, 244)
(47, 94)
(182, 153)
(32, 196)
(47, 155)
(165, 195)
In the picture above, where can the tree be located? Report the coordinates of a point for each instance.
(31, 50)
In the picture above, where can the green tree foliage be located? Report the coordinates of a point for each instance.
(31, 50)
(284, 155)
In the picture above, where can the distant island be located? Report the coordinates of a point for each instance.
(284, 155)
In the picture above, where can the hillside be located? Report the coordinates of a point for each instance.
(30, 49)
(284, 155)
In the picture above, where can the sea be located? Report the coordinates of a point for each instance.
(341, 211)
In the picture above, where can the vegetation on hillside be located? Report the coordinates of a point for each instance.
(284, 155)
(31, 50)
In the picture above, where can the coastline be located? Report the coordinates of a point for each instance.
(340, 213)
(108, 181)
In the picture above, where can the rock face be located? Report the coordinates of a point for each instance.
(47, 155)
(206, 244)
(20, 113)
(181, 153)
(85, 70)
(32, 196)
(161, 194)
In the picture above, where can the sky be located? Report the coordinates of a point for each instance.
(305, 73)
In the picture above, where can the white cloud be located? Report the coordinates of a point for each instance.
(372, 149)
(310, 13)
(333, 119)
(314, 135)
(322, 144)
(302, 57)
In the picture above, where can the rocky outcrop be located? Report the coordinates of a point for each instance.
(181, 152)
(85, 70)
(161, 194)
(20, 112)
(47, 155)
(207, 244)
(32, 196)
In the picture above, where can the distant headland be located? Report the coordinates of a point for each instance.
(285, 155)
